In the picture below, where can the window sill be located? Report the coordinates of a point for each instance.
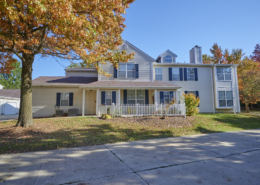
(225, 108)
(224, 80)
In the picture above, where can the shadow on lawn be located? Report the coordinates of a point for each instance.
(103, 133)
(74, 165)
(64, 138)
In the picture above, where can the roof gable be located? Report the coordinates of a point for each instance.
(137, 50)
(167, 52)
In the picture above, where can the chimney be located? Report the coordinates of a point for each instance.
(196, 55)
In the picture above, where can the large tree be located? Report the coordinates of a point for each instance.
(85, 30)
(249, 81)
(219, 56)
(13, 79)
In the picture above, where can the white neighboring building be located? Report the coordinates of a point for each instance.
(9, 101)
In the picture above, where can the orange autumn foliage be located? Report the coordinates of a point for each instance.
(85, 30)
(89, 31)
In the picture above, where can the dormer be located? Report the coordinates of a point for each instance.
(167, 57)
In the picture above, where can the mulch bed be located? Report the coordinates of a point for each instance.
(167, 122)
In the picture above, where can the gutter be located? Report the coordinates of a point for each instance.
(195, 65)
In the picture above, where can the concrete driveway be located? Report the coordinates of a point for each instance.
(222, 158)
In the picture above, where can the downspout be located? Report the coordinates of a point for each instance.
(213, 88)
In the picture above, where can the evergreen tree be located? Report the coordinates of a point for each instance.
(12, 80)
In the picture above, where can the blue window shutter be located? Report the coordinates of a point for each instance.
(185, 74)
(136, 71)
(170, 74)
(125, 96)
(186, 92)
(196, 74)
(171, 95)
(71, 99)
(162, 97)
(146, 97)
(115, 72)
(58, 99)
(103, 97)
(181, 74)
(114, 97)
(197, 95)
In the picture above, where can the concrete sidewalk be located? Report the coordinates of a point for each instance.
(222, 158)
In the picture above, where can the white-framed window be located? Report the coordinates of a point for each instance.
(166, 97)
(168, 59)
(140, 94)
(136, 96)
(190, 74)
(158, 74)
(225, 98)
(64, 99)
(224, 73)
(108, 97)
(126, 70)
(192, 92)
(175, 74)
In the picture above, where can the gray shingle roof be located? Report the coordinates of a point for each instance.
(93, 82)
(11, 93)
(63, 80)
(81, 69)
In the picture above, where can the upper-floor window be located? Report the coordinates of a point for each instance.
(190, 74)
(224, 73)
(168, 59)
(175, 74)
(225, 98)
(158, 74)
(126, 70)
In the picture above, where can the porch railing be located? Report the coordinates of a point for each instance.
(144, 110)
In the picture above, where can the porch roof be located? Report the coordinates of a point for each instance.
(130, 84)
(92, 82)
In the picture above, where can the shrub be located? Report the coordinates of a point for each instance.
(191, 102)
(106, 116)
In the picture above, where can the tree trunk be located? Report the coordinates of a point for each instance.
(25, 114)
(247, 106)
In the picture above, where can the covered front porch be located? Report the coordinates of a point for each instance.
(135, 102)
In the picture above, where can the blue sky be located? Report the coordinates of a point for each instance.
(155, 26)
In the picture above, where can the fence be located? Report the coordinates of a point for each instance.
(144, 110)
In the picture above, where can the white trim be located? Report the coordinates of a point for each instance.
(238, 100)
(231, 107)
(155, 97)
(213, 89)
(195, 65)
(158, 73)
(83, 102)
(97, 102)
(136, 96)
(118, 97)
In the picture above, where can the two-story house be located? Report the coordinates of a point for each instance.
(143, 81)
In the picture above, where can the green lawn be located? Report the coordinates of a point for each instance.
(58, 133)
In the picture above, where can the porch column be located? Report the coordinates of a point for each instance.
(155, 97)
(97, 103)
(118, 97)
(83, 103)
